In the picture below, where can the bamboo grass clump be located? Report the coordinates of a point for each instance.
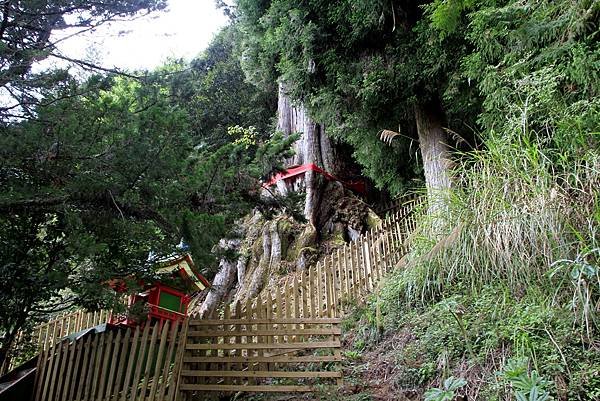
(511, 215)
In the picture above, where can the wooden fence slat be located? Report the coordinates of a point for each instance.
(90, 368)
(158, 364)
(309, 331)
(319, 280)
(58, 379)
(64, 389)
(140, 362)
(295, 304)
(130, 364)
(168, 358)
(330, 290)
(334, 285)
(369, 245)
(107, 352)
(40, 374)
(356, 270)
(114, 357)
(54, 355)
(74, 376)
(374, 257)
(226, 338)
(347, 274)
(83, 375)
(238, 328)
(311, 292)
(123, 361)
(274, 359)
(248, 388)
(260, 314)
(174, 388)
(257, 346)
(249, 338)
(260, 373)
(269, 315)
(96, 369)
(149, 361)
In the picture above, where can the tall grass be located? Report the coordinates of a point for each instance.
(521, 215)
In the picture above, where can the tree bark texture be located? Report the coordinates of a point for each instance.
(433, 142)
(223, 281)
(280, 245)
(313, 146)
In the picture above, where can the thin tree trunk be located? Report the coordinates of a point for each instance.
(433, 142)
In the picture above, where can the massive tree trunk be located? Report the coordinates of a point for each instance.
(277, 246)
(433, 142)
(313, 147)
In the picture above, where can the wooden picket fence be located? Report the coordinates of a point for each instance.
(260, 354)
(346, 276)
(47, 334)
(131, 364)
(290, 331)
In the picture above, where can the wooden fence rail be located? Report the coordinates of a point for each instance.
(285, 339)
(131, 364)
(260, 353)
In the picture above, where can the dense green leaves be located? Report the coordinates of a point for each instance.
(107, 176)
(361, 66)
(26, 37)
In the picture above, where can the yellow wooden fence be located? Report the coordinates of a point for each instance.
(346, 276)
(131, 364)
(288, 337)
(285, 339)
(261, 354)
(47, 334)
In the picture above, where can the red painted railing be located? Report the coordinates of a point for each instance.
(293, 172)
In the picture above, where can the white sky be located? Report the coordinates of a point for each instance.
(183, 30)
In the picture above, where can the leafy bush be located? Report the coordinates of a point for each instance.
(527, 386)
(447, 392)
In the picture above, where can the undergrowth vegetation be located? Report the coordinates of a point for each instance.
(506, 292)
(515, 275)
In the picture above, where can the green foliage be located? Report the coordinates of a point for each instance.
(447, 392)
(446, 15)
(352, 355)
(109, 171)
(517, 272)
(498, 324)
(360, 66)
(527, 386)
(27, 37)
